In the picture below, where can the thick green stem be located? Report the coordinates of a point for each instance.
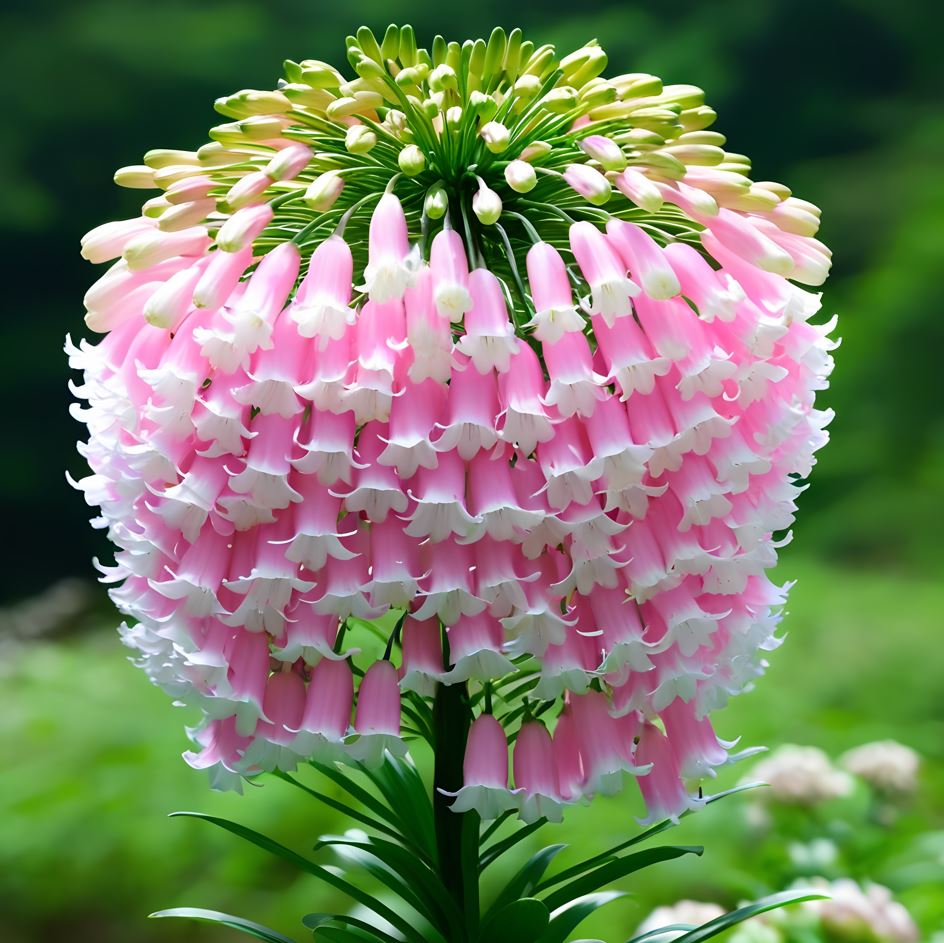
(451, 720)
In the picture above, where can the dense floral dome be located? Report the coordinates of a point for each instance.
(475, 368)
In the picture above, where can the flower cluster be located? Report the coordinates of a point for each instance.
(866, 913)
(801, 775)
(886, 765)
(478, 347)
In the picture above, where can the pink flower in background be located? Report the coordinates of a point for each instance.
(559, 445)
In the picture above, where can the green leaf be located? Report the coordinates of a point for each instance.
(286, 854)
(346, 934)
(314, 921)
(655, 934)
(566, 919)
(615, 869)
(440, 908)
(384, 812)
(648, 833)
(521, 921)
(522, 884)
(410, 893)
(227, 920)
(496, 850)
(404, 790)
(713, 927)
(340, 806)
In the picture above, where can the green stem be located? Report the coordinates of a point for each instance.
(451, 720)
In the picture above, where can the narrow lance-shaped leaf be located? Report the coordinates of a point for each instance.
(227, 920)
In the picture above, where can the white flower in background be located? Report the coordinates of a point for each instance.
(886, 765)
(801, 775)
(690, 912)
(861, 912)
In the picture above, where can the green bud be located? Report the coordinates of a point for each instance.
(541, 62)
(253, 101)
(597, 93)
(324, 190)
(185, 215)
(262, 127)
(396, 121)
(292, 70)
(411, 160)
(215, 155)
(319, 74)
(165, 157)
(521, 176)
(413, 76)
(407, 46)
(496, 136)
(454, 118)
(359, 139)
(592, 65)
(477, 59)
(154, 207)
(369, 70)
(701, 137)
(483, 106)
(436, 202)
(695, 119)
(527, 87)
(443, 78)
(390, 44)
(536, 150)
(686, 96)
(138, 177)
(637, 85)
(311, 99)
(698, 155)
(487, 206)
(495, 53)
(368, 44)
(560, 100)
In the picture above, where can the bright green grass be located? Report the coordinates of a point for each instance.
(91, 767)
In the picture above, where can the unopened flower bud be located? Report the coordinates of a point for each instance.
(359, 139)
(487, 205)
(263, 127)
(639, 189)
(535, 151)
(243, 226)
(324, 190)
(496, 136)
(437, 201)
(411, 160)
(247, 190)
(454, 118)
(560, 100)
(605, 152)
(185, 215)
(527, 87)
(589, 183)
(483, 105)
(319, 74)
(520, 176)
(442, 78)
(253, 101)
(289, 162)
(135, 178)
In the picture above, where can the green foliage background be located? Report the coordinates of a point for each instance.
(840, 99)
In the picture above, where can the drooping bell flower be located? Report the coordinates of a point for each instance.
(485, 771)
(391, 383)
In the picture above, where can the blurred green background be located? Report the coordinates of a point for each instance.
(840, 100)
